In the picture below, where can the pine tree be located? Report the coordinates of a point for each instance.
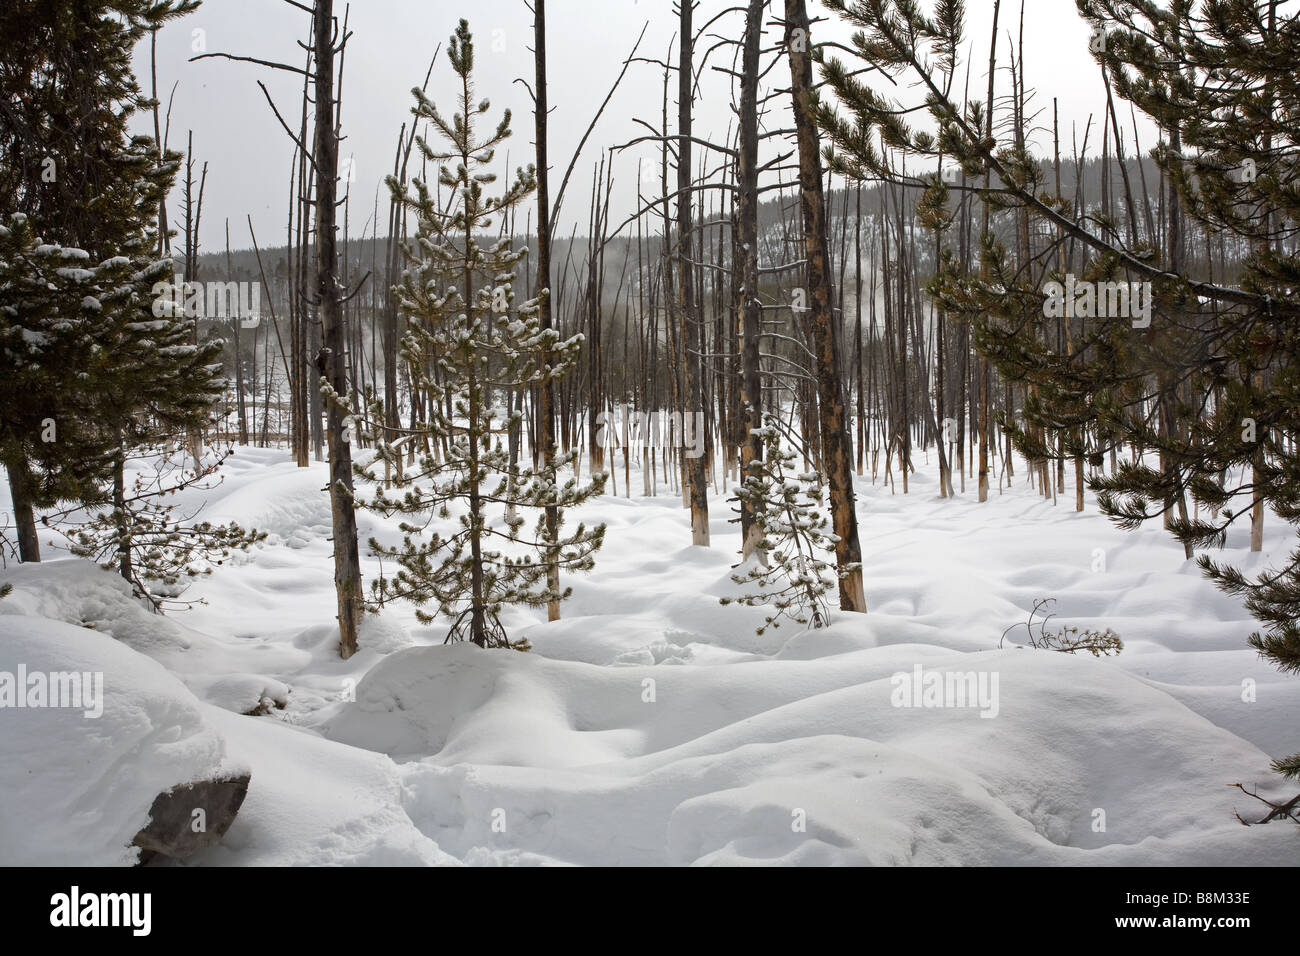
(1204, 383)
(48, 442)
(788, 569)
(147, 537)
(121, 382)
(115, 369)
(116, 349)
(468, 346)
(153, 388)
(70, 166)
(1222, 81)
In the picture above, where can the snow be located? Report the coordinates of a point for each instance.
(653, 726)
(312, 802)
(76, 788)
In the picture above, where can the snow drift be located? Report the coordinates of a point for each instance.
(76, 787)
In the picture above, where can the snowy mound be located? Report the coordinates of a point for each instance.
(80, 593)
(77, 780)
(651, 725)
(538, 760)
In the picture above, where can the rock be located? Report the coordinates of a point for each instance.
(103, 752)
(191, 816)
(253, 695)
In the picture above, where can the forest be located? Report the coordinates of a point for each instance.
(416, 497)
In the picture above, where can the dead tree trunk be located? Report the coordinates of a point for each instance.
(834, 427)
(690, 321)
(984, 368)
(746, 261)
(544, 453)
(330, 359)
(239, 365)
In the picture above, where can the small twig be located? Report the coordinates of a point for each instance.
(1277, 811)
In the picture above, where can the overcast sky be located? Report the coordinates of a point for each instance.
(249, 155)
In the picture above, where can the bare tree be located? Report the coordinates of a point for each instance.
(330, 360)
(836, 452)
(686, 298)
(749, 306)
(545, 395)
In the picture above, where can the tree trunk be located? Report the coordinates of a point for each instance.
(330, 363)
(239, 365)
(29, 548)
(746, 260)
(834, 428)
(120, 517)
(693, 468)
(544, 453)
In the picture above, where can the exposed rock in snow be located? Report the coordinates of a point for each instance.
(76, 788)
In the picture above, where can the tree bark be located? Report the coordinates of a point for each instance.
(120, 517)
(984, 367)
(694, 468)
(545, 398)
(347, 564)
(746, 260)
(834, 428)
(239, 364)
(29, 548)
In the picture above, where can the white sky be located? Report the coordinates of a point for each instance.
(249, 154)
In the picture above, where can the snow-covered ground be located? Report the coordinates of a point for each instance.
(651, 725)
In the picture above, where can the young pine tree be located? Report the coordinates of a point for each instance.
(469, 346)
(788, 570)
(148, 537)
